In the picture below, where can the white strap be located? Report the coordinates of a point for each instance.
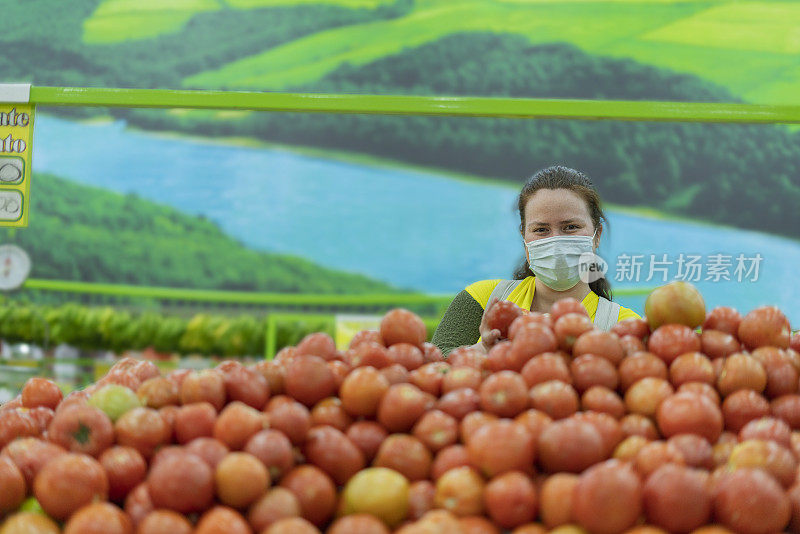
(606, 315)
(502, 290)
(15, 93)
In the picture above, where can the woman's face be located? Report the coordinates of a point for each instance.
(556, 212)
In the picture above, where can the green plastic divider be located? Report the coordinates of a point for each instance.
(271, 337)
(463, 106)
(237, 297)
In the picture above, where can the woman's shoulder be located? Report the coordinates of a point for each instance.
(626, 313)
(482, 290)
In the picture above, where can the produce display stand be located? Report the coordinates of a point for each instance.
(609, 495)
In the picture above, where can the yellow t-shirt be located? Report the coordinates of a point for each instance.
(522, 296)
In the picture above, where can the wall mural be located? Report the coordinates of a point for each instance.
(319, 203)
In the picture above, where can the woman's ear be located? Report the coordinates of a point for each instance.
(525, 248)
(597, 234)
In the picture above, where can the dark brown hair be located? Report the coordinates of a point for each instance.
(559, 177)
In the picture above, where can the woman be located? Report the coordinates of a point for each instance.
(560, 219)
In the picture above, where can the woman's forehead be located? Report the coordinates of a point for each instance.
(554, 206)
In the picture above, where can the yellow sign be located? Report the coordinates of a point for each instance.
(348, 326)
(16, 150)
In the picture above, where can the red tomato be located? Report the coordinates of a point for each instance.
(276, 504)
(274, 450)
(181, 482)
(655, 454)
(30, 455)
(686, 413)
(158, 392)
(420, 498)
(724, 319)
(691, 367)
(407, 355)
(194, 421)
(501, 446)
(504, 394)
(330, 450)
(207, 385)
(317, 344)
(599, 343)
(555, 398)
(566, 306)
(222, 520)
(315, 492)
(570, 445)
(544, 367)
(604, 400)
(645, 396)
(99, 518)
(237, 423)
(309, 379)
(460, 491)
(125, 468)
(717, 344)
(41, 392)
(568, 328)
(82, 428)
(402, 405)
(677, 498)
(511, 499)
(210, 450)
(143, 429)
(671, 340)
(641, 365)
(362, 391)
(500, 316)
(240, 479)
(449, 458)
(436, 430)
(530, 341)
(164, 522)
(750, 501)
(291, 418)
(13, 484)
(403, 326)
(764, 326)
(632, 327)
(68, 482)
(607, 498)
(367, 436)
(743, 406)
(741, 371)
(405, 454)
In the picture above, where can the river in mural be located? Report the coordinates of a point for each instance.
(413, 228)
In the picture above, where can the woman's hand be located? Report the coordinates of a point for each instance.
(489, 336)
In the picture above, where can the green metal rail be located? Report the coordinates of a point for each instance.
(244, 297)
(237, 297)
(464, 106)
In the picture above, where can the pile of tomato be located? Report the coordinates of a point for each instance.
(560, 427)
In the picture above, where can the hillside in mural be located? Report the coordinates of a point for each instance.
(705, 171)
(84, 233)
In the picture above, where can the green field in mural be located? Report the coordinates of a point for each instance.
(715, 40)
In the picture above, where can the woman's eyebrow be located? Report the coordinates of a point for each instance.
(539, 223)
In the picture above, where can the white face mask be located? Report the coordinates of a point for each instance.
(556, 260)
